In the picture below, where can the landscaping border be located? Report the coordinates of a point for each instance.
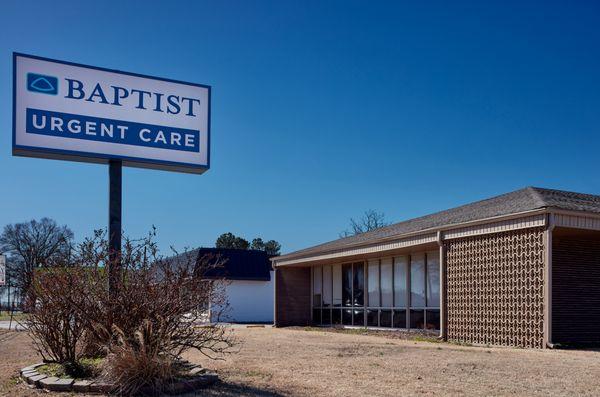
(197, 378)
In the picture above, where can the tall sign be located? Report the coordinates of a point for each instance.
(69, 111)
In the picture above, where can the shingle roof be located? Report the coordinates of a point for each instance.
(237, 264)
(527, 199)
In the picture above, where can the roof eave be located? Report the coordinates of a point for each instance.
(536, 211)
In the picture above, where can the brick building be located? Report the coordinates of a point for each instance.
(520, 269)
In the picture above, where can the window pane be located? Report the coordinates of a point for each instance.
(317, 316)
(417, 319)
(372, 320)
(373, 281)
(399, 318)
(385, 318)
(347, 317)
(336, 317)
(327, 286)
(400, 264)
(359, 284)
(433, 319)
(359, 318)
(318, 286)
(337, 285)
(386, 283)
(433, 279)
(417, 280)
(347, 285)
(326, 317)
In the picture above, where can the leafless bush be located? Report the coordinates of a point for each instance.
(149, 319)
(57, 329)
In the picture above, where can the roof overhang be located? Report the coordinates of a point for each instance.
(516, 221)
(521, 220)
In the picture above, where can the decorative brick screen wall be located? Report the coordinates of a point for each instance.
(495, 288)
(292, 296)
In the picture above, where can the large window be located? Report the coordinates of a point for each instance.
(400, 266)
(358, 289)
(317, 285)
(400, 292)
(347, 284)
(432, 314)
(386, 277)
(433, 279)
(373, 281)
(417, 280)
(337, 285)
(327, 286)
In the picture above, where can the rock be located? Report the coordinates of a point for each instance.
(29, 373)
(82, 386)
(35, 380)
(101, 387)
(46, 381)
(60, 384)
(197, 371)
(31, 367)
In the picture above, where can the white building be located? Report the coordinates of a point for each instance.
(249, 284)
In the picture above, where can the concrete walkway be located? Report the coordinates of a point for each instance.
(14, 326)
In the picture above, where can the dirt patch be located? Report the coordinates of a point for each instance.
(296, 362)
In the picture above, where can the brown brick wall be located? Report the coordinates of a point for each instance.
(495, 288)
(575, 290)
(292, 296)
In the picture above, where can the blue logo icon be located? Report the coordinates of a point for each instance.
(42, 84)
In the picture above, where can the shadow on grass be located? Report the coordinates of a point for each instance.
(233, 389)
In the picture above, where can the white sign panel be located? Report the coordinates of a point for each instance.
(75, 112)
(2, 269)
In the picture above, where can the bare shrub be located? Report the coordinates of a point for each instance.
(145, 324)
(55, 326)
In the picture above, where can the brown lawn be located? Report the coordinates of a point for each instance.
(296, 362)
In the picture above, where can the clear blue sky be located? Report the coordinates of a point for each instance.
(323, 109)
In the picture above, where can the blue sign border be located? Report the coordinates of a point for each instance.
(72, 155)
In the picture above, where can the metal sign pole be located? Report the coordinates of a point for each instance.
(115, 171)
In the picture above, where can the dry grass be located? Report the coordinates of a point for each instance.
(295, 362)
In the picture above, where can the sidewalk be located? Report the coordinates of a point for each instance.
(14, 326)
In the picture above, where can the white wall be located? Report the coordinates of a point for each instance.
(250, 301)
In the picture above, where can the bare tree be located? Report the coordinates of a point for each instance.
(370, 220)
(32, 245)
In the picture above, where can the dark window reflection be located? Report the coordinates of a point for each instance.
(399, 318)
(417, 319)
(347, 317)
(347, 285)
(359, 317)
(336, 317)
(372, 320)
(433, 319)
(316, 316)
(359, 284)
(326, 317)
(385, 318)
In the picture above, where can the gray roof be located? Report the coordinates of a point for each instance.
(527, 199)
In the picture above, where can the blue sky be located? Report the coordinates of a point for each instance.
(322, 110)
